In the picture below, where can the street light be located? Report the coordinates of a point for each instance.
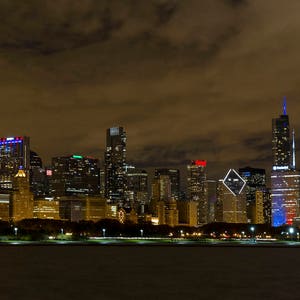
(291, 232)
(142, 232)
(16, 231)
(181, 233)
(62, 231)
(103, 232)
(252, 229)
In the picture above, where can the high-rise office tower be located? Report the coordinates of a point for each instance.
(137, 188)
(115, 165)
(211, 198)
(102, 182)
(285, 180)
(14, 153)
(174, 175)
(21, 202)
(163, 205)
(285, 195)
(255, 181)
(262, 210)
(161, 191)
(187, 213)
(281, 143)
(37, 175)
(196, 176)
(231, 202)
(75, 174)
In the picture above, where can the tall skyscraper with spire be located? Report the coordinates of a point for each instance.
(281, 144)
(285, 193)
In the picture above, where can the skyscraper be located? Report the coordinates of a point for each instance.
(115, 162)
(285, 180)
(75, 174)
(255, 181)
(196, 188)
(231, 203)
(285, 195)
(137, 188)
(14, 153)
(174, 175)
(281, 144)
(37, 176)
(21, 202)
(211, 198)
(163, 205)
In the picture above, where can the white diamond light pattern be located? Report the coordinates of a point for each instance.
(234, 182)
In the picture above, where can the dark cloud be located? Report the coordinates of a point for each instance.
(187, 79)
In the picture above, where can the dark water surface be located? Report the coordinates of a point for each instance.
(158, 272)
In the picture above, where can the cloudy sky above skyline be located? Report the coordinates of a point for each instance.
(192, 79)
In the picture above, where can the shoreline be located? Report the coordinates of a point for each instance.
(112, 242)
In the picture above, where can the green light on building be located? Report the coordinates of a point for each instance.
(77, 156)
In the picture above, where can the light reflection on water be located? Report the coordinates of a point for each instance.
(159, 272)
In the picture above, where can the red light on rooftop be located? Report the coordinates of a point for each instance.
(49, 172)
(201, 163)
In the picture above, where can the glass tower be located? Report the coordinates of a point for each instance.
(196, 176)
(14, 154)
(115, 165)
(281, 144)
(174, 175)
(74, 175)
(284, 177)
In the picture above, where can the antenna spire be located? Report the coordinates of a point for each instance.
(284, 106)
(293, 151)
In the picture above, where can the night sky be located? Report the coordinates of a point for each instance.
(190, 79)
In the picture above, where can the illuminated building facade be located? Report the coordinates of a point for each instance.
(231, 202)
(161, 192)
(262, 212)
(187, 213)
(46, 209)
(21, 202)
(284, 177)
(72, 208)
(174, 175)
(95, 208)
(74, 175)
(4, 206)
(37, 176)
(137, 188)
(162, 204)
(281, 144)
(285, 196)
(255, 181)
(196, 176)
(167, 213)
(14, 153)
(210, 187)
(115, 163)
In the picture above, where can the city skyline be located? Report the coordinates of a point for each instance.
(149, 148)
(156, 68)
(181, 165)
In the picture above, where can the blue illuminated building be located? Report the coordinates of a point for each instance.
(14, 154)
(284, 177)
